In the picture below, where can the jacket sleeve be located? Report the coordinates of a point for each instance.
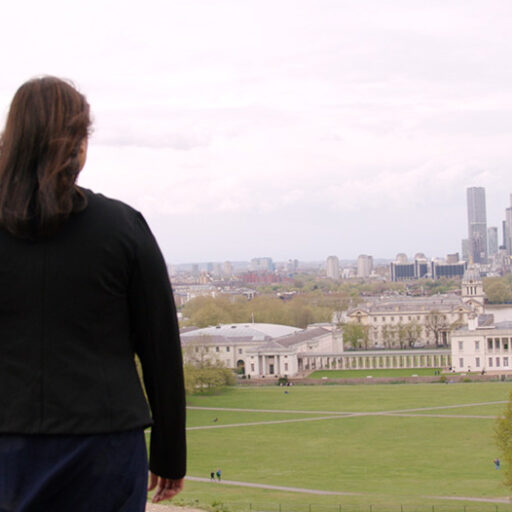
(157, 343)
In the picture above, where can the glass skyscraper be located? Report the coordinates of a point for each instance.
(477, 224)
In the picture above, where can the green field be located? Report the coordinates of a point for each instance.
(410, 447)
(361, 374)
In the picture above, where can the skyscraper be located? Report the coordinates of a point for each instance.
(333, 267)
(364, 265)
(477, 224)
(492, 240)
(507, 228)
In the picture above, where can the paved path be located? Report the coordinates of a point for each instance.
(336, 493)
(343, 414)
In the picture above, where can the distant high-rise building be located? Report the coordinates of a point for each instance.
(228, 269)
(333, 267)
(452, 258)
(507, 230)
(492, 240)
(465, 249)
(262, 265)
(364, 265)
(477, 224)
(401, 269)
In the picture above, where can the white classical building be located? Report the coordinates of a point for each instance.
(419, 319)
(483, 345)
(260, 349)
(269, 350)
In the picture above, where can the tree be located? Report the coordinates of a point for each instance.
(388, 335)
(412, 333)
(503, 435)
(436, 323)
(204, 371)
(498, 290)
(356, 335)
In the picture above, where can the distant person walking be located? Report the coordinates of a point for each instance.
(84, 288)
(212, 476)
(497, 463)
(218, 473)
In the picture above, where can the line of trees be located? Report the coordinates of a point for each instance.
(299, 311)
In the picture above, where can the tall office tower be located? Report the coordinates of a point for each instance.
(477, 224)
(465, 249)
(507, 229)
(492, 240)
(364, 265)
(333, 267)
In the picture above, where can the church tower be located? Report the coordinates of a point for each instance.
(473, 290)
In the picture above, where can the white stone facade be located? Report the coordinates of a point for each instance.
(486, 348)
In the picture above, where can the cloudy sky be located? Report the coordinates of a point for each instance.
(284, 128)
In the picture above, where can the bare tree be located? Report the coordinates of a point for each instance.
(436, 324)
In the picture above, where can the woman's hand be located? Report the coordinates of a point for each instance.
(166, 488)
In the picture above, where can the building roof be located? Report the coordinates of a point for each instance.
(445, 302)
(299, 337)
(254, 332)
(261, 336)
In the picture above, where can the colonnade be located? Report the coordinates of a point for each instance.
(375, 360)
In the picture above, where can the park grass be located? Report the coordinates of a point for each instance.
(390, 460)
(200, 418)
(206, 494)
(361, 374)
(355, 398)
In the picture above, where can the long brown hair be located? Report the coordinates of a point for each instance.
(39, 157)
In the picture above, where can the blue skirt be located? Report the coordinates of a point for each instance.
(73, 473)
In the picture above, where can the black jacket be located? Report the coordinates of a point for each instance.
(74, 309)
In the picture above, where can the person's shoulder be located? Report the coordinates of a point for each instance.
(109, 204)
(115, 214)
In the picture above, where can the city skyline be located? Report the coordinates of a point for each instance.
(293, 129)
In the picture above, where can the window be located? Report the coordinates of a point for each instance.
(206, 349)
(227, 349)
(285, 367)
(252, 367)
(490, 361)
(409, 318)
(217, 349)
(417, 318)
(392, 318)
(196, 349)
(497, 361)
(383, 319)
(489, 343)
(477, 362)
(477, 346)
(461, 346)
(497, 343)
(374, 318)
(505, 343)
(505, 361)
(461, 362)
(239, 350)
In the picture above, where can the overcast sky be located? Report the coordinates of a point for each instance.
(284, 128)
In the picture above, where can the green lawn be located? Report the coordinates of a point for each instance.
(361, 374)
(389, 460)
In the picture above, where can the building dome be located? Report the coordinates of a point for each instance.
(472, 275)
(420, 256)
